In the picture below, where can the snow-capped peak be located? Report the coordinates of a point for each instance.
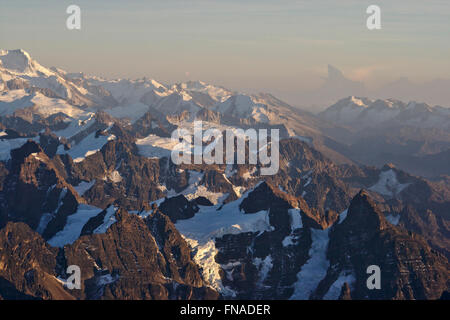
(194, 85)
(365, 112)
(20, 62)
(217, 93)
(355, 101)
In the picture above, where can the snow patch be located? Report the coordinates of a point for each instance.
(289, 241)
(216, 221)
(115, 176)
(45, 219)
(74, 225)
(84, 186)
(296, 219)
(77, 125)
(393, 219)
(195, 190)
(154, 146)
(335, 289)
(249, 174)
(342, 216)
(264, 267)
(132, 111)
(108, 220)
(6, 145)
(315, 268)
(388, 184)
(88, 146)
(205, 256)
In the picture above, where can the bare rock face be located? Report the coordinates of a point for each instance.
(3, 175)
(409, 268)
(266, 196)
(93, 223)
(345, 292)
(175, 250)
(179, 208)
(49, 143)
(432, 227)
(305, 172)
(34, 187)
(137, 259)
(121, 176)
(305, 232)
(215, 181)
(150, 123)
(27, 265)
(209, 115)
(148, 258)
(419, 206)
(134, 259)
(16, 84)
(264, 265)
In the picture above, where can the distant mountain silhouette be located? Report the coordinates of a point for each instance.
(433, 92)
(335, 87)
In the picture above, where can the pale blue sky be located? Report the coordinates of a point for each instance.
(280, 45)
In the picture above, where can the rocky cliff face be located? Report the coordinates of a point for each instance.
(34, 191)
(85, 166)
(314, 241)
(118, 175)
(145, 257)
(27, 265)
(416, 204)
(409, 268)
(264, 265)
(333, 253)
(307, 173)
(135, 259)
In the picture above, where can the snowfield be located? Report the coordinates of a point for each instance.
(388, 184)
(6, 145)
(88, 146)
(154, 146)
(212, 222)
(315, 269)
(74, 225)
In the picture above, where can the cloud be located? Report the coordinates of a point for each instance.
(364, 72)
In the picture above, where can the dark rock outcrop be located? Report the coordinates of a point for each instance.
(34, 187)
(27, 265)
(178, 208)
(135, 259)
(409, 268)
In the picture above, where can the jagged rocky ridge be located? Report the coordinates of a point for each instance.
(250, 263)
(135, 259)
(89, 186)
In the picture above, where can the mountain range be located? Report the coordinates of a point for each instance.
(86, 179)
(336, 85)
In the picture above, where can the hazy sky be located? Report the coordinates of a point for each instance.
(279, 45)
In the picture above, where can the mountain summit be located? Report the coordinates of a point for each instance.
(20, 62)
